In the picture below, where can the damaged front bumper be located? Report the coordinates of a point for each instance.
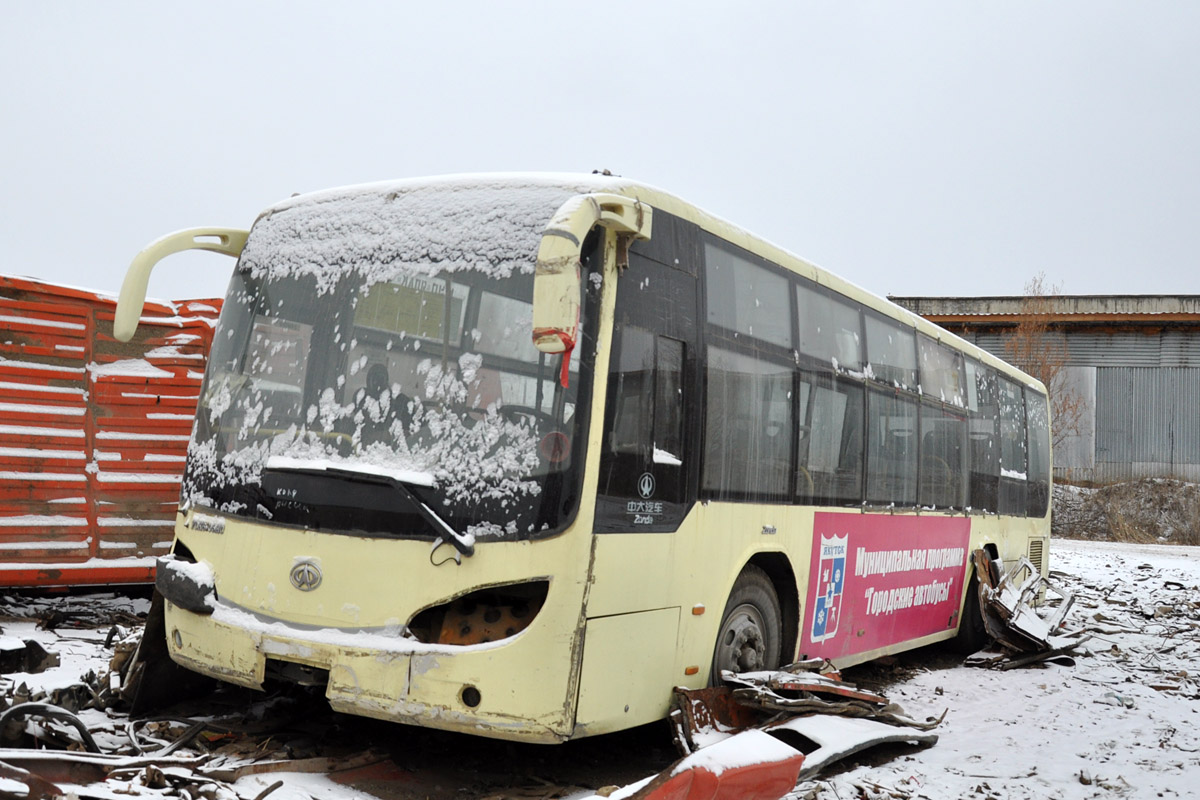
(189, 585)
(380, 673)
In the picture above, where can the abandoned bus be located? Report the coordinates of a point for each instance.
(516, 455)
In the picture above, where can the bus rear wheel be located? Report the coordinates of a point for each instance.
(751, 632)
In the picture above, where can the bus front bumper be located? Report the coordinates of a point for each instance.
(382, 675)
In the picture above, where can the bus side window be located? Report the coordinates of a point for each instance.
(984, 441)
(943, 465)
(642, 473)
(1039, 452)
(891, 449)
(830, 468)
(633, 380)
(941, 372)
(746, 298)
(748, 442)
(1013, 465)
(830, 328)
(892, 352)
(668, 402)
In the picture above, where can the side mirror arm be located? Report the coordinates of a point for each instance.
(227, 241)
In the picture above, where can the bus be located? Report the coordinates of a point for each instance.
(515, 455)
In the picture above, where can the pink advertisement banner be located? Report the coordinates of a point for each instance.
(879, 579)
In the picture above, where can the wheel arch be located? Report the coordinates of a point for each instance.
(778, 568)
(971, 634)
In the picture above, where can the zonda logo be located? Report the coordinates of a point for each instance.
(306, 575)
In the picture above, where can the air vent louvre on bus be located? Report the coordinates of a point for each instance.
(1037, 550)
(1037, 556)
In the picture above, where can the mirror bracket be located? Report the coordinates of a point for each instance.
(556, 282)
(227, 241)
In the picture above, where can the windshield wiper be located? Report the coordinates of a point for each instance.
(463, 543)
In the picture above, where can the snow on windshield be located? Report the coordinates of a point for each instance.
(386, 330)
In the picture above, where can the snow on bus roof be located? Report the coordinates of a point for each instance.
(571, 182)
(518, 229)
(486, 223)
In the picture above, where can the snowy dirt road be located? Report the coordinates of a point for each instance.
(1122, 721)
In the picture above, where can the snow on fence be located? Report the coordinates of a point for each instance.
(93, 432)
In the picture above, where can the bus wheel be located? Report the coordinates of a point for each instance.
(750, 634)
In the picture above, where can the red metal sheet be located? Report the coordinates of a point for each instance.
(93, 432)
(100, 574)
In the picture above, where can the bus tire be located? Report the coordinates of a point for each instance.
(972, 635)
(751, 632)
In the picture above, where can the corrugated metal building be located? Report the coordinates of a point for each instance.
(1134, 361)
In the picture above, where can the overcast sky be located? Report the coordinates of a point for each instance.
(913, 148)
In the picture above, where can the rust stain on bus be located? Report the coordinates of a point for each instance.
(93, 432)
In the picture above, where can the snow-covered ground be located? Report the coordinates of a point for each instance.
(1123, 721)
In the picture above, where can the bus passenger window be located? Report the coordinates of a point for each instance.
(1013, 467)
(633, 398)
(942, 372)
(891, 352)
(748, 441)
(830, 330)
(830, 469)
(668, 402)
(747, 298)
(891, 450)
(984, 441)
(1039, 452)
(943, 468)
(805, 487)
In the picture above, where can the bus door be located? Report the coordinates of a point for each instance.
(647, 485)
(651, 429)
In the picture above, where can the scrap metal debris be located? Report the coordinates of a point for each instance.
(24, 655)
(48, 773)
(769, 760)
(187, 758)
(1006, 601)
(797, 693)
(36, 787)
(762, 732)
(701, 717)
(77, 739)
(50, 712)
(95, 610)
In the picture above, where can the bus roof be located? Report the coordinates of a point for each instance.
(660, 199)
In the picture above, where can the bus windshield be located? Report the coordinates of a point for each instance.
(374, 354)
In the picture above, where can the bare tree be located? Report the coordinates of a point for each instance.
(1037, 348)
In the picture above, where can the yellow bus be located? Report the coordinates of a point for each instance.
(516, 455)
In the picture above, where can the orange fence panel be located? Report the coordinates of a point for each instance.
(93, 432)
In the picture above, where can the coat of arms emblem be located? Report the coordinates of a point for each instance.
(829, 586)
